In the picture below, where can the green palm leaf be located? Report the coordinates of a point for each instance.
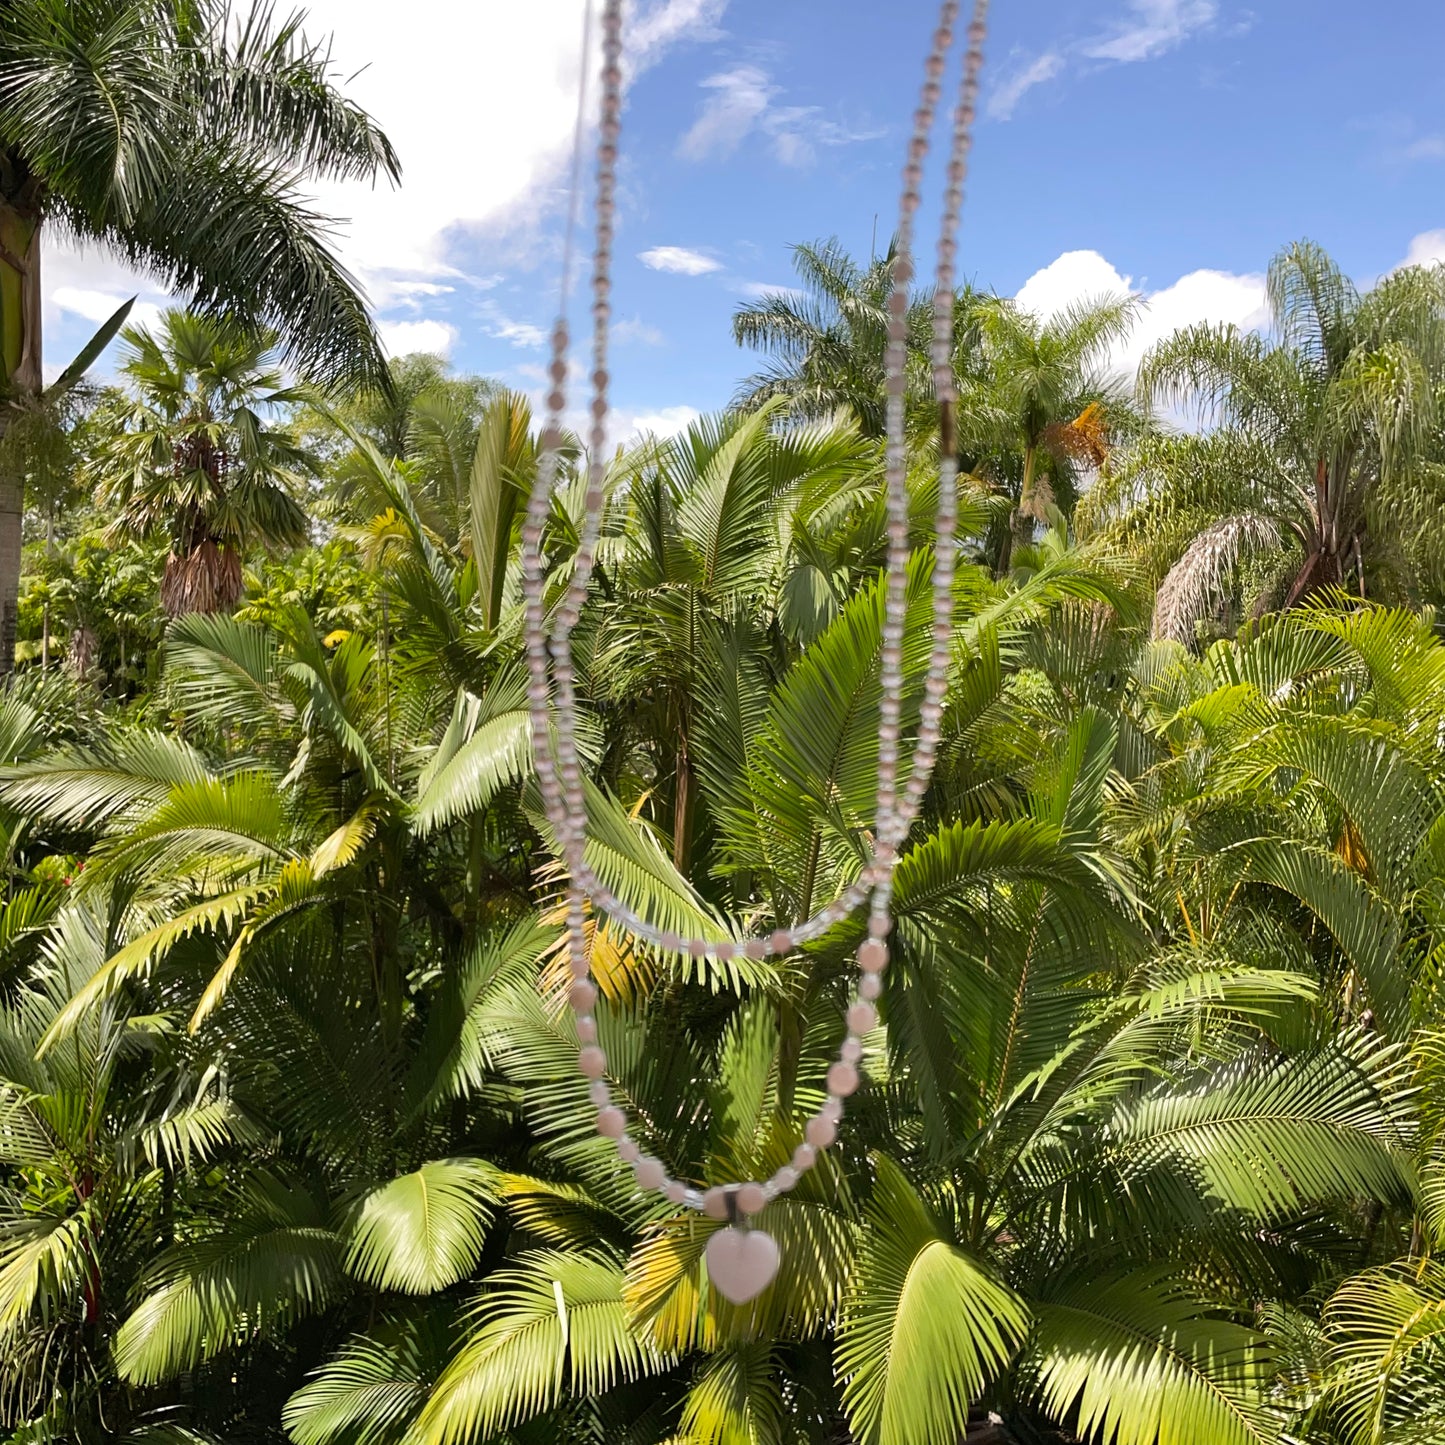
(424, 1231)
(1136, 1360)
(925, 1327)
(551, 1325)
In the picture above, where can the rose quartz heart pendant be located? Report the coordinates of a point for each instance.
(742, 1263)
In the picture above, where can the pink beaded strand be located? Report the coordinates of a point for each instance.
(558, 770)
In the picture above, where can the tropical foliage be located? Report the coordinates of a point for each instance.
(1325, 468)
(292, 1143)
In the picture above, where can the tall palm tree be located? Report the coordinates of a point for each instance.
(173, 134)
(198, 451)
(1324, 462)
(1037, 403)
(828, 340)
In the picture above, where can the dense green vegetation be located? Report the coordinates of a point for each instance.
(292, 1144)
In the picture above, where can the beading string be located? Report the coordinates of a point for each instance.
(554, 728)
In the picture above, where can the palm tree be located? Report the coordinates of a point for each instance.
(828, 341)
(1322, 464)
(173, 134)
(196, 451)
(430, 419)
(1037, 405)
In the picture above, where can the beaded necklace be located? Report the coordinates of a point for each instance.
(742, 1260)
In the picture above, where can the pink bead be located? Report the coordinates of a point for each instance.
(781, 941)
(676, 1191)
(751, 1198)
(756, 948)
(862, 1018)
(650, 1174)
(851, 1051)
(870, 986)
(832, 1111)
(785, 1179)
(671, 942)
(872, 956)
(627, 1150)
(599, 1093)
(583, 996)
(715, 1202)
(592, 1061)
(820, 1133)
(804, 1157)
(723, 950)
(612, 1122)
(587, 1029)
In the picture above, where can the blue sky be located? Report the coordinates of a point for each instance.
(1167, 146)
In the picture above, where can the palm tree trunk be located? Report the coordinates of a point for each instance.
(1020, 519)
(682, 805)
(45, 612)
(20, 376)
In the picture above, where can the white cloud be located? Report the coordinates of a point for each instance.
(438, 88)
(1426, 249)
(679, 260)
(86, 286)
(741, 101)
(504, 70)
(98, 306)
(1427, 148)
(649, 35)
(624, 426)
(1006, 95)
(634, 328)
(738, 99)
(519, 333)
(401, 338)
(1153, 27)
(1073, 276)
(1200, 296)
